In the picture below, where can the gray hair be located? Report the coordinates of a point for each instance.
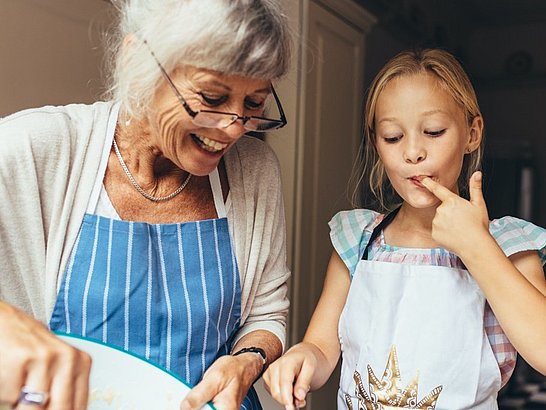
(235, 37)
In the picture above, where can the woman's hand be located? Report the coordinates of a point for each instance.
(288, 379)
(460, 225)
(31, 356)
(226, 383)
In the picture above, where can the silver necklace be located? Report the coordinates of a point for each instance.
(139, 188)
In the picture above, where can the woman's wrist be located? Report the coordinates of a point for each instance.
(258, 357)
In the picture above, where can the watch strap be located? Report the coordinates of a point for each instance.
(256, 350)
(252, 349)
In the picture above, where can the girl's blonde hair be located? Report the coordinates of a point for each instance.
(450, 74)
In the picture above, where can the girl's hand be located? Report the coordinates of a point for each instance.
(288, 379)
(460, 225)
(32, 357)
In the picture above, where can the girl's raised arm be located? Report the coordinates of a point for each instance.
(514, 286)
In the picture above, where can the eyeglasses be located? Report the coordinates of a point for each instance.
(220, 119)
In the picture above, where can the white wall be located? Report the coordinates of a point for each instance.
(50, 52)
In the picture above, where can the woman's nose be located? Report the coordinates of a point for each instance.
(235, 130)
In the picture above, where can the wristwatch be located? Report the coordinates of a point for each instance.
(252, 349)
(257, 350)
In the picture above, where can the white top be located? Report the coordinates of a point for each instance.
(104, 206)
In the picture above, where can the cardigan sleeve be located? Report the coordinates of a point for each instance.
(48, 158)
(258, 226)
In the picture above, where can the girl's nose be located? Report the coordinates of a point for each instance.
(414, 152)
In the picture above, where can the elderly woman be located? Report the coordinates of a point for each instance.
(151, 222)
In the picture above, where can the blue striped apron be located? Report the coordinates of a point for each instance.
(167, 292)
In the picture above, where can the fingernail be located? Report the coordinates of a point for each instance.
(300, 393)
(289, 407)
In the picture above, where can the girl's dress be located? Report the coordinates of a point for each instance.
(416, 330)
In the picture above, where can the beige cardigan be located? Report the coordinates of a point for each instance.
(49, 161)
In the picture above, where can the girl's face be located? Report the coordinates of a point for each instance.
(421, 131)
(193, 148)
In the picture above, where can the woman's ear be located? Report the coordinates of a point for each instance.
(475, 134)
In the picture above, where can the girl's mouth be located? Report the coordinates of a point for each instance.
(418, 178)
(207, 144)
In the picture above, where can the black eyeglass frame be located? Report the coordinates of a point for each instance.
(244, 118)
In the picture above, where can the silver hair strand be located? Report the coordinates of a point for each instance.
(234, 37)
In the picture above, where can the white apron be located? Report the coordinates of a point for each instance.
(413, 337)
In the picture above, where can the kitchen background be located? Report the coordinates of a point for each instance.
(51, 54)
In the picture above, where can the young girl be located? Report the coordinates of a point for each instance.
(428, 303)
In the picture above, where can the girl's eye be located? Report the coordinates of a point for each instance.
(435, 133)
(212, 100)
(254, 105)
(392, 140)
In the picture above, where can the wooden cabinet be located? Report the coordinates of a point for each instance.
(323, 97)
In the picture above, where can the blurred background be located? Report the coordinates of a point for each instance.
(51, 54)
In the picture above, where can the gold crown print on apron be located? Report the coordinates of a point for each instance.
(385, 393)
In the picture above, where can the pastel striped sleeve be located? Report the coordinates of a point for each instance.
(349, 233)
(516, 235)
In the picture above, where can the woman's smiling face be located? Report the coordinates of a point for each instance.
(193, 148)
(421, 131)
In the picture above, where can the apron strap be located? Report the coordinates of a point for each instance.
(216, 187)
(377, 230)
